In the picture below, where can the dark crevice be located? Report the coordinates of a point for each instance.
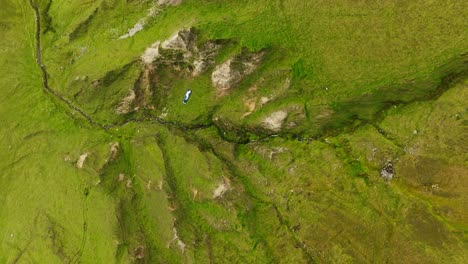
(388, 136)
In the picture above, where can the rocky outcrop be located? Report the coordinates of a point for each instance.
(275, 120)
(139, 26)
(205, 57)
(180, 52)
(226, 75)
(126, 105)
(182, 40)
(231, 72)
(387, 172)
(169, 2)
(176, 50)
(81, 160)
(222, 188)
(151, 54)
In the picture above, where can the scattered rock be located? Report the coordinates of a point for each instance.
(296, 228)
(275, 121)
(139, 252)
(67, 158)
(81, 160)
(125, 105)
(387, 172)
(269, 152)
(276, 150)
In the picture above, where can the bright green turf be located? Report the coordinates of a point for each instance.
(290, 200)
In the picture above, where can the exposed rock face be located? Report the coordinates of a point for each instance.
(275, 121)
(180, 52)
(81, 160)
(177, 50)
(387, 172)
(125, 105)
(182, 40)
(132, 31)
(231, 72)
(169, 2)
(225, 75)
(154, 11)
(205, 57)
(222, 188)
(151, 53)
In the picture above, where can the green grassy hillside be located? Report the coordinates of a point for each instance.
(300, 111)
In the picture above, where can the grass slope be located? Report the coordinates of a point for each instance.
(151, 190)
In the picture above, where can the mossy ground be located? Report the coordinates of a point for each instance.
(370, 82)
